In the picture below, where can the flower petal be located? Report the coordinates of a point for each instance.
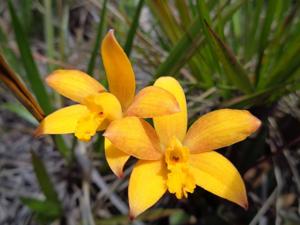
(151, 102)
(172, 125)
(118, 69)
(134, 136)
(142, 195)
(74, 84)
(219, 129)
(214, 173)
(116, 159)
(105, 103)
(62, 121)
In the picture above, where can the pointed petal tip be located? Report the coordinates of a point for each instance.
(131, 216)
(111, 31)
(257, 123)
(120, 175)
(245, 206)
(38, 132)
(243, 201)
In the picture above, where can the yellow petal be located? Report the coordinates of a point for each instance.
(147, 185)
(74, 84)
(153, 101)
(172, 125)
(135, 137)
(216, 174)
(106, 104)
(116, 159)
(219, 129)
(62, 121)
(118, 69)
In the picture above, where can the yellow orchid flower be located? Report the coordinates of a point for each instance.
(174, 159)
(97, 107)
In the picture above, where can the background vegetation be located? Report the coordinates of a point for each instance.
(226, 53)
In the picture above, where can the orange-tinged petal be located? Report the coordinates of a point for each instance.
(62, 121)
(74, 84)
(118, 69)
(147, 185)
(153, 101)
(219, 129)
(172, 125)
(134, 136)
(214, 173)
(116, 159)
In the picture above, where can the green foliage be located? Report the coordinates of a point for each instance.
(49, 209)
(237, 54)
(250, 52)
(32, 72)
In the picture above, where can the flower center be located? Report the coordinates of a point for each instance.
(180, 179)
(103, 108)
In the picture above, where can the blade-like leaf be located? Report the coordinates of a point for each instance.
(133, 28)
(92, 62)
(33, 75)
(49, 32)
(190, 42)
(44, 179)
(233, 69)
(286, 66)
(264, 35)
(182, 51)
(21, 111)
(45, 210)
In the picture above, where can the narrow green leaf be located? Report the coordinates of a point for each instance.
(184, 12)
(10, 55)
(182, 51)
(21, 111)
(190, 42)
(25, 8)
(44, 209)
(233, 69)
(286, 66)
(62, 147)
(32, 72)
(133, 28)
(33, 75)
(43, 178)
(166, 19)
(49, 32)
(264, 36)
(95, 52)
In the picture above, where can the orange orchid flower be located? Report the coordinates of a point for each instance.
(97, 107)
(174, 159)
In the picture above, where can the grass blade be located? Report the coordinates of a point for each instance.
(29, 64)
(95, 51)
(21, 111)
(264, 35)
(233, 69)
(133, 28)
(286, 66)
(187, 44)
(45, 210)
(48, 32)
(44, 179)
